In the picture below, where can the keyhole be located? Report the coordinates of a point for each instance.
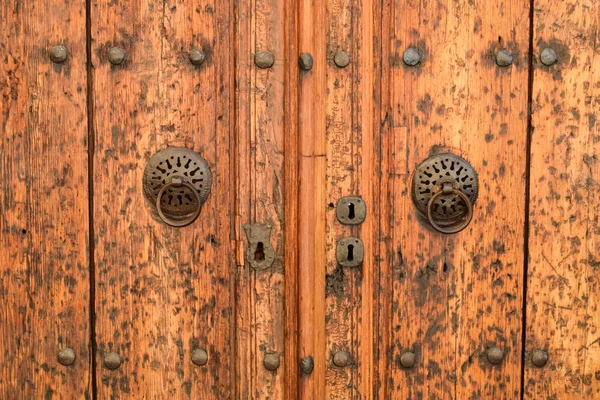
(259, 254)
(350, 252)
(351, 214)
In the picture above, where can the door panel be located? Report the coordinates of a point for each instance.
(260, 199)
(162, 292)
(351, 160)
(255, 282)
(45, 287)
(563, 317)
(450, 298)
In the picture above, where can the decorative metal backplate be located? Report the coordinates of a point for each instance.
(350, 252)
(351, 210)
(259, 253)
(173, 162)
(429, 178)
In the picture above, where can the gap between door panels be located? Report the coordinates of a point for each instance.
(527, 195)
(91, 239)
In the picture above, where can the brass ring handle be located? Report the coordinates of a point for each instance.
(178, 223)
(448, 189)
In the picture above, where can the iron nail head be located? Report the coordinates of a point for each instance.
(264, 59)
(411, 57)
(305, 61)
(58, 54)
(197, 57)
(116, 56)
(504, 58)
(66, 356)
(548, 56)
(540, 358)
(271, 361)
(495, 355)
(342, 358)
(341, 59)
(408, 359)
(112, 361)
(200, 357)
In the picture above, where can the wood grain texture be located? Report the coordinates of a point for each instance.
(449, 298)
(312, 203)
(260, 134)
(291, 199)
(44, 284)
(351, 163)
(563, 314)
(162, 292)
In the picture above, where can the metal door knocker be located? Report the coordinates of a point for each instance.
(177, 183)
(444, 189)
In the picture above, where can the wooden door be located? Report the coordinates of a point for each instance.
(295, 105)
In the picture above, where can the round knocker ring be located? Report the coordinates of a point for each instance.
(178, 223)
(449, 189)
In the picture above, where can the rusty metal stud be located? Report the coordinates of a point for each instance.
(197, 57)
(199, 357)
(548, 56)
(539, 358)
(411, 57)
(341, 59)
(58, 54)
(504, 58)
(66, 356)
(342, 358)
(271, 361)
(408, 359)
(305, 61)
(264, 59)
(116, 56)
(495, 355)
(307, 365)
(112, 360)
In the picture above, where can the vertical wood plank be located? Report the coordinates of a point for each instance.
(312, 204)
(453, 297)
(291, 193)
(162, 292)
(260, 154)
(352, 144)
(563, 317)
(44, 262)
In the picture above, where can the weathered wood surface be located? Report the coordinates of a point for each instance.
(162, 292)
(44, 285)
(312, 203)
(351, 163)
(563, 291)
(449, 298)
(260, 133)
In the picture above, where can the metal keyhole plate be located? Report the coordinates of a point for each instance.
(350, 252)
(429, 178)
(351, 210)
(177, 162)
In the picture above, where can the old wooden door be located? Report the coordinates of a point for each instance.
(296, 104)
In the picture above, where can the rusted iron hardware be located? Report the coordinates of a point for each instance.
(351, 210)
(199, 357)
(112, 361)
(444, 189)
(271, 361)
(307, 365)
(177, 183)
(264, 59)
(259, 253)
(408, 359)
(305, 61)
(350, 252)
(341, 59)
